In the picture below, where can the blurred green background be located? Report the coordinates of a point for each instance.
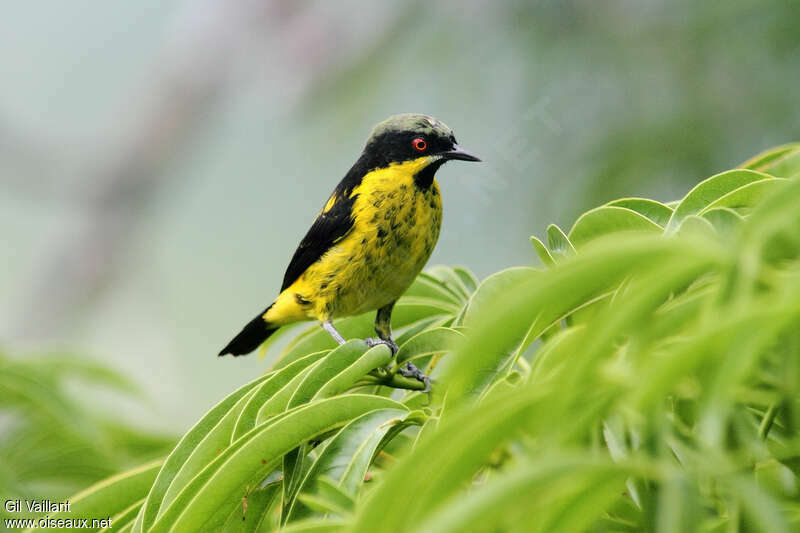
(159, 161)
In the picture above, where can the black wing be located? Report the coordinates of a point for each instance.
(329, 227)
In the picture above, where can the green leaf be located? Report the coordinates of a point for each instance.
(323, 505)
(419, 327)
(541, 299)
(340, 370)
(216, 440)
(347, 456)
(724, 220)
(316, 526)
(450, 457)
(762, 511)
(252, 514)
(497, 283)
(760, 161)
(560, 246)
(269, 388)
(655, 211)
(278, 402)
(527, 491)
(696, 225)
(248, 460)
(451, 279)
(542, 252)
(124, 517)
(184, 448)
(350, 474)
(113, 495)
(335, 362)
(747, 196)
(329, 498)
(376, 357)
(785, 166)
(410, 310)
(606, 219)
(553, 356)
(429, 342)
(427, 286)
(679, 505)
(710, 190)
(467, 278)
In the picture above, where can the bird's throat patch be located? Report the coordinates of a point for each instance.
(424, 178)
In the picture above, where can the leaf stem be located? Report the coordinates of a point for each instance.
(767, 421)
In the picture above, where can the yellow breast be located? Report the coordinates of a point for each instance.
(396, 226)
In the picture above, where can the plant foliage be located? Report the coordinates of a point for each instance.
(51, 442)
(645, 378)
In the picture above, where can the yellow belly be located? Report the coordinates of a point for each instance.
(396, 226)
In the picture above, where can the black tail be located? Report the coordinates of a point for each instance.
(252, 335)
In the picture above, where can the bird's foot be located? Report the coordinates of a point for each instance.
(372, 341)
(409, 370)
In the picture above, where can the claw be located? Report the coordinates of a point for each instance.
(411, 371)
(372, 341)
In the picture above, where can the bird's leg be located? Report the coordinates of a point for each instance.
(328, 326)
(409, 370)
(383, 327)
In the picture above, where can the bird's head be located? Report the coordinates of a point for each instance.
(412, 137)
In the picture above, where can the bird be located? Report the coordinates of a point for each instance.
(371, 239)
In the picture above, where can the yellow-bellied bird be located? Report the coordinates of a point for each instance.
(371, 239)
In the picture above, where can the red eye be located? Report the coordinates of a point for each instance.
(419, 144)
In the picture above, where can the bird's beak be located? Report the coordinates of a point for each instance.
(459, 153)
